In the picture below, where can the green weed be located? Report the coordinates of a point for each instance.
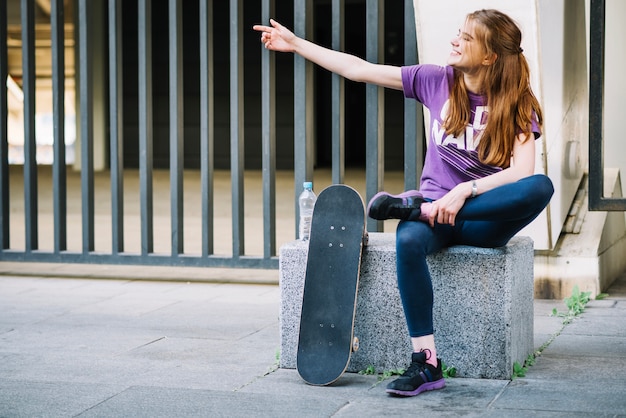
(520, 370)
(448, 371)
(371, 371)
(390, 373)
(575, 304)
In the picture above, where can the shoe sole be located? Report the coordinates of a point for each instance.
(409, 193)
(437, 384)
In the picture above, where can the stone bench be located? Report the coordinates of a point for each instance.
(483, 310)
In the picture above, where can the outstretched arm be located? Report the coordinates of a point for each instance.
(278, 38)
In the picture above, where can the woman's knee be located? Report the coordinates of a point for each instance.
(411, 238)
(541, 189)
(544, 185)
(411, 232)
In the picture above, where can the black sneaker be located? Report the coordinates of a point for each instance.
(418, 378)
(405, 206)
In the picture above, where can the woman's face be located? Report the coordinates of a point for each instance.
(468, 53)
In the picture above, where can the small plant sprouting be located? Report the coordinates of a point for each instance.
(576, 304)
(390, 373)
(448, 371)
(519, 370)
(371, 371)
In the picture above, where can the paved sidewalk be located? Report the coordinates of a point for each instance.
(136, 348)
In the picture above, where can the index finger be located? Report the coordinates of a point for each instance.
(261, 28)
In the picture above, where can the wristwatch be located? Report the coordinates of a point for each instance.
(474, 188)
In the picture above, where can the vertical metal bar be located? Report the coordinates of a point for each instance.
(86, 123)
(236, 124)
(303, 106)
(59, 184)
(30, 145)
(207, 125)
(116, 125)
(413, 111)
(338, 96)
(374, 108)
(176, 123)
(597, 201)
(268, 118)
(4, 135)
(144, 33)
(596, 103)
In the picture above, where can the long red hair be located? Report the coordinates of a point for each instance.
(506, 83)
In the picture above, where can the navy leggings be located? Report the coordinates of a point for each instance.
(488, 220)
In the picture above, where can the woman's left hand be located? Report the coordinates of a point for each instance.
(444, 210)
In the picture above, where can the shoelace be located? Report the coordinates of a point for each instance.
(417, 367)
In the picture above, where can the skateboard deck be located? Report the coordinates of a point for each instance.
(326, 339)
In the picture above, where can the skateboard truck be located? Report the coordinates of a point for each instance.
(355, 344)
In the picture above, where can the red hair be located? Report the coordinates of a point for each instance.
(506, 83)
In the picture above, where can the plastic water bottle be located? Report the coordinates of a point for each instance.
(306, 201)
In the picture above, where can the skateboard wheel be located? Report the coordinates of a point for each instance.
(355, 344)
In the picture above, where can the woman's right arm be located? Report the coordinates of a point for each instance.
(278, 38)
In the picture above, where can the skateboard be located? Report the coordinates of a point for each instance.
(326, 338)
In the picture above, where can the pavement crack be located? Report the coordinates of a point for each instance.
(8, 331)
(341, 408)
(495, 398)
(148, 343)
(271, 369)
(91, 408)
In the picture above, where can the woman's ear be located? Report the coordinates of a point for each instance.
(490, 58)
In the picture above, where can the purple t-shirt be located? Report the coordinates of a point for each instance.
(449, 160)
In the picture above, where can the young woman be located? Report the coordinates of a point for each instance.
(478, 185)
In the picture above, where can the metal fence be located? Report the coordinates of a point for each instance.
(303, 139)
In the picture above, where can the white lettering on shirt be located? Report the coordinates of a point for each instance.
(473, 132)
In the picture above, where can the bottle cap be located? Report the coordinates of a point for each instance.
(307, 185)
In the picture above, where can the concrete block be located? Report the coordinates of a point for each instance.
(483, 310)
